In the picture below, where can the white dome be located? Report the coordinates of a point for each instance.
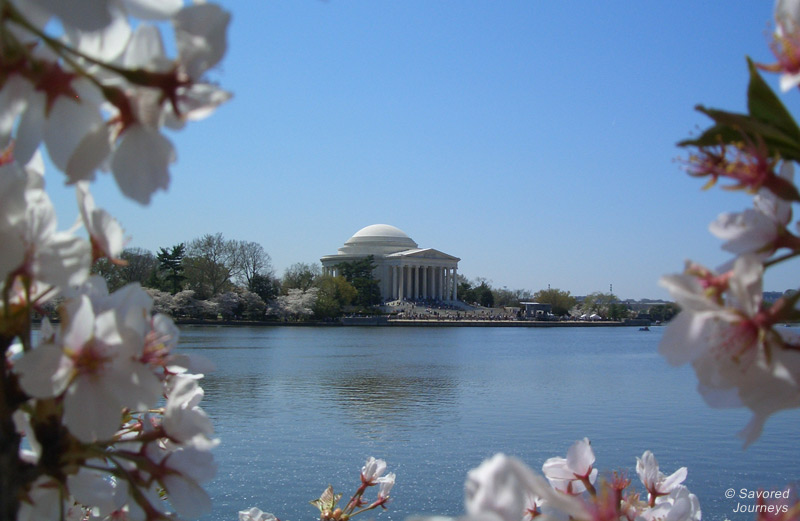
(378, 239)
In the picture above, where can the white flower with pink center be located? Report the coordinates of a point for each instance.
(738, 354)
(761, 230)
(105, 233)
(95, 369)
(575, 473)
(372, 470)
(656, 483)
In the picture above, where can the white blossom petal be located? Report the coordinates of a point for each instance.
(89, 412)
(69, 122)
(200, 32)
(105, 43)
(90, 153)
(140, 163)
(39, 371)
(86, 15)
(153, 9)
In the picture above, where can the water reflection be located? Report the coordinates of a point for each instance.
(223, 390)
(382, 403)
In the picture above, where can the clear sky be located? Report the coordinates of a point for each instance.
(533, 139)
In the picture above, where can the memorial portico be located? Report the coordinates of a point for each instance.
(404, 270)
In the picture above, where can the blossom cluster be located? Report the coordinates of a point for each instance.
(99, 417)
(735, 341)
(504, 488)
(373, 473)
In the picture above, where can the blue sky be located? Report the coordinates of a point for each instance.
(534, 140)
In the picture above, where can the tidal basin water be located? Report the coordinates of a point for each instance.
(299, 408)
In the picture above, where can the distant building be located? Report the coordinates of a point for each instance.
(404, 270)
(536, 309)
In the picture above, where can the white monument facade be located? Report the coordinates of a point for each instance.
(404, 270)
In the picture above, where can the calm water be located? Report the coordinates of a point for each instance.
(298, 409)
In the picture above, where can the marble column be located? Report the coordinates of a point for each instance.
(415, 296)
(455, 284)
(424, 282)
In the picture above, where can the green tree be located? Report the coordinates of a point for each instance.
(560, 301)
(505, 297)
(484, 295)
(618, 311)
(249, 261)
(334, 294)
(663, 312)
(140, 264)
(466, 293)
(209, 263)
(477, 291)
(599, 303)
(359, 273)
(265, 286)
(170, 265)
(137, 266)
(299, 276)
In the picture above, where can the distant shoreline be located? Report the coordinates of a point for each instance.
(411, 323)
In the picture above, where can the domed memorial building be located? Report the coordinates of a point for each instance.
(403, 269)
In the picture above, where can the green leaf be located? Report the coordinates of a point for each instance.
(733, 128)
(327, 500)
(714, 135)
(764, 105)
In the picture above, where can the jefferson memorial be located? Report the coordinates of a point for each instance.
(403, 269)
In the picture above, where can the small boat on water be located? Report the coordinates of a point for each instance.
(645, 328)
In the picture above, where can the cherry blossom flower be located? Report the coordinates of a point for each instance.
(386, 483)
(114, 121)
(96, 369)
(92, 15)
(33, 248)
(706, 322)
(786, 44)
(656, 483)
(372, 470)
(184, 470)
(96, 97)
(183, 419)
(760, 230)
(738, 354)
(747, 163)
(573, 474)
(105, 233)
(678, 505)
(501, 488)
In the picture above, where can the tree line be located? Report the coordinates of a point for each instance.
(211, 277)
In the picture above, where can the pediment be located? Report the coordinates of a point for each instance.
(423, 253)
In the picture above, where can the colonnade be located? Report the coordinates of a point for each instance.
(421, 282)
